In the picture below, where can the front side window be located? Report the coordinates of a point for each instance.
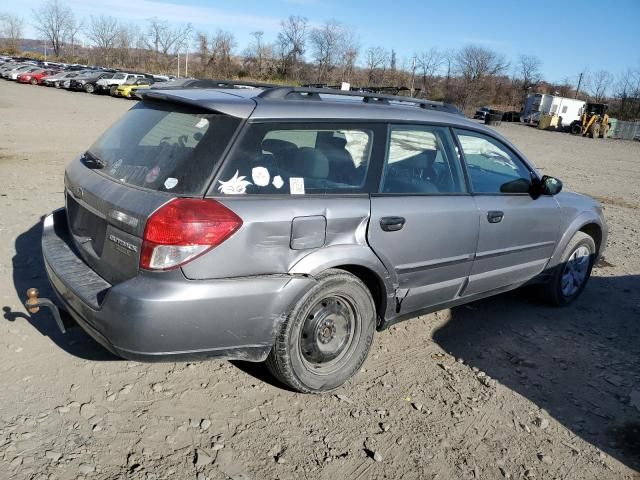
(298, 159)
(492, 166)
(420, 161)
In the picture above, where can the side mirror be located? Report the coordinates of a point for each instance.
(550, 185)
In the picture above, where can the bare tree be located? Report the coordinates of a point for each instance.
(53, 20)
(599, 84)
(166, 40)
(475, 66)
(291, 44)
(74, 28)
(528, 72)
(103, 31)
(376, 59)
(257, 56)
(430, 63)
(326, 44)
(220, 62)
(11, 30)
(348, 55)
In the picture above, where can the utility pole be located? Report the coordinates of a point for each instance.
(178, 64)
(186, 64)
(413, 76)
(579, 82)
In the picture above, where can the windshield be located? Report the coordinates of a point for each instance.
(163, 147)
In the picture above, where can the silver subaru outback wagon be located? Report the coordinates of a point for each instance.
(289, 224)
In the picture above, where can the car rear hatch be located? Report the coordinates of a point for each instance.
(158, 151)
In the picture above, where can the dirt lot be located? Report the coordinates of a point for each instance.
(565, 404)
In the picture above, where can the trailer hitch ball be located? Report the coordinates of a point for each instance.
(33, 302)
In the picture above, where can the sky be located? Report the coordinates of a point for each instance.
(569, 37)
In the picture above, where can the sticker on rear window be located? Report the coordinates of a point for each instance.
(116, 166)
(260, 176)
(170, 182)
(235, 185)
(202, 123)
(153, 175)
(296, 185)
(278, 182)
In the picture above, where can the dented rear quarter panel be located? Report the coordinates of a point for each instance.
(262, 246)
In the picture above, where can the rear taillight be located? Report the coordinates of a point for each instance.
(184, 229)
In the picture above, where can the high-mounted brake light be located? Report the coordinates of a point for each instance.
(184, 229)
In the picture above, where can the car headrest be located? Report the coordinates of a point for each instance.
(311, 163)
(277, 146)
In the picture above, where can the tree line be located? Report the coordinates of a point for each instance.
(302, 53)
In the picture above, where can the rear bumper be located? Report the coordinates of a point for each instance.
(164, 316)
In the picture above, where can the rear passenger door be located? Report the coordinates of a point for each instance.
(517, 232)
(424, 223)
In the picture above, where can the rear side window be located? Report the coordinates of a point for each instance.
(298, 159)
(163, 147)
(420, 160)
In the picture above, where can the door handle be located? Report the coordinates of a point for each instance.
(495, 216)
(392, 224)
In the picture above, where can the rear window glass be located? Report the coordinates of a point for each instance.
(163, 147)
(283, 159)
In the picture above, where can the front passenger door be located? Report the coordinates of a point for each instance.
(424, 222)
(518, 233)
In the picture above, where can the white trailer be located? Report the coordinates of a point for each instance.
(536, 104)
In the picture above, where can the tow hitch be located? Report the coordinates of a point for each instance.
(34, 303)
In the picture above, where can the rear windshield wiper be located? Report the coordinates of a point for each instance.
(92, 161)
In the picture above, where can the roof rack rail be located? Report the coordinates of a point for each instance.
(309, 93)
(213, 83)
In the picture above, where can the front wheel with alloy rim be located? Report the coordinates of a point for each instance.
(571, 276)
(327, 336)
(89, 88)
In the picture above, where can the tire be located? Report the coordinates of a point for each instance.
(34, 81)
(89, 88)
(113, 90)
(576, 128)
(327, 336)
(595, 130)
(57, 85)
(554, 292)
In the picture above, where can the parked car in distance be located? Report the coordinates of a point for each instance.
(481, 113)
(35, 78)
(110, 85)
(289, 224)
(55, 80)
(89, 81)
(130, 88)
(14, 72)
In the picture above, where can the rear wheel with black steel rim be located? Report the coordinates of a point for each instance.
(327, 336)
(571, 276)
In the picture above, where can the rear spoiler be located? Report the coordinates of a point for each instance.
(218, 101)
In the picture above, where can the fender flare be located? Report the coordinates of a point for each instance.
(575, 226)
(337, 255)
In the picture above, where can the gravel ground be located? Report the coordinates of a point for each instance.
(502, 388)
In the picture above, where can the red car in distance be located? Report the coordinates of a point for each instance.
(36, 78)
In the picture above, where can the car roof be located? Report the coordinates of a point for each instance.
(262, 103)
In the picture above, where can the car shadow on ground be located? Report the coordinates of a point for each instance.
(29, 271)
(580, 363)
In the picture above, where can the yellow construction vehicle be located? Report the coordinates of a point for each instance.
(594, 121)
